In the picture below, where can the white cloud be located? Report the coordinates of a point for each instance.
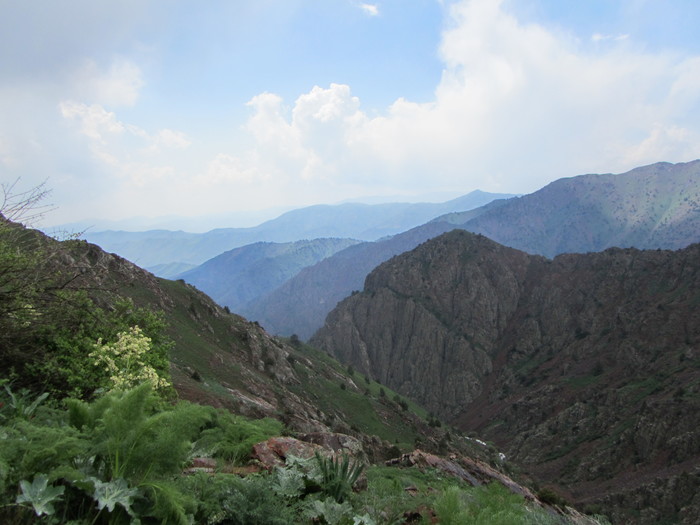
(172, 139)
(517, 105)
(226, 168)
(94, 120)
(370, 9)
(126, 150)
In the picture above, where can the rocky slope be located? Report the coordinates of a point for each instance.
(585, 369)
(218, 357)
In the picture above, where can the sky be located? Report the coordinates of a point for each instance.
(240, 109)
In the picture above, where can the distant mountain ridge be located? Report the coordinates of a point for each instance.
(356, 221)
(656, 206)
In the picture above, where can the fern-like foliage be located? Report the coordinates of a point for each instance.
(133, 438)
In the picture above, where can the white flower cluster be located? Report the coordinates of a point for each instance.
(124, 360)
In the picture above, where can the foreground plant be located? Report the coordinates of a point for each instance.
(338, 475)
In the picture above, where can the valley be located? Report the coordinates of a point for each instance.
(557, 329)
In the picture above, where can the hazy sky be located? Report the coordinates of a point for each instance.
(156, 107)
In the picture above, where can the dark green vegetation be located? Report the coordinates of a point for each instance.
(582, 369)
(52, 330)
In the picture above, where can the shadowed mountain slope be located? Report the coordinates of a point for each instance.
(300, 305)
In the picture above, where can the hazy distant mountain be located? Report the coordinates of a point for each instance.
(656, 206)
(357, 221)
(196, 224)
(236, 277)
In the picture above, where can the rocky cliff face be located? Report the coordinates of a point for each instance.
(585, 369)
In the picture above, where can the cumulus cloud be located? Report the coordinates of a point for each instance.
(94, 121)
(517, 106)
(310, 140)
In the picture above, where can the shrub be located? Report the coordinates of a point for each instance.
(252, 502)
(119, 459)
(451, 507)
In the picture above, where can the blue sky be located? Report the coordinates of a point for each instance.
(166, 107)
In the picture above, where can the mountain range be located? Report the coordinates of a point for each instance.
(579, 371)
(216, 358)
(656, 206)
(152, 249)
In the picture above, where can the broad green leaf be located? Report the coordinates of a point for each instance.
(40, 494)
(331, 511)
(114, 492)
